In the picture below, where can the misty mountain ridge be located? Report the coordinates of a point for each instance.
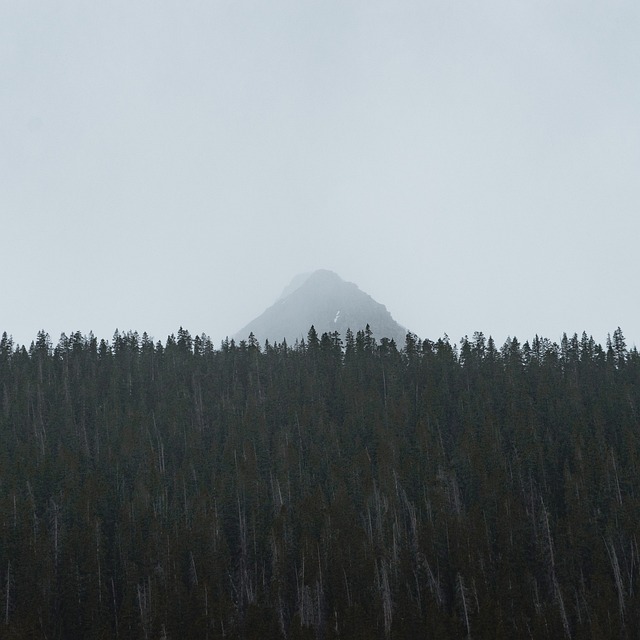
(329, 303)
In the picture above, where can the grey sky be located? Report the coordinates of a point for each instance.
(471, 165)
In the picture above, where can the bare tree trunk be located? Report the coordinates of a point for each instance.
(385, 593)
(115, 606)
(552, 566)
(55, 512)
(144, 605)
(98, 561)
(465, 610)
(615, 566)
(8, 594)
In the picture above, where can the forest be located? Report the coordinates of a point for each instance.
(337, 488)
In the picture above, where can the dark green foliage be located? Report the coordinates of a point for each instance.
(324, 491)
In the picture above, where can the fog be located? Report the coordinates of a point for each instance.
(472, 166)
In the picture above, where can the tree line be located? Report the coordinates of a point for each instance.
(330, 489)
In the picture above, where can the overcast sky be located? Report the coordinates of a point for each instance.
(471, 165)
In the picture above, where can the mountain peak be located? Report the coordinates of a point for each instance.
(323, 299)
(320, 275)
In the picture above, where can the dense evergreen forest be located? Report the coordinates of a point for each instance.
(330, 489)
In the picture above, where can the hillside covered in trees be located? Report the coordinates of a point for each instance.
(335, 489)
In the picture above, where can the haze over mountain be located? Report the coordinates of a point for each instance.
(327, 302)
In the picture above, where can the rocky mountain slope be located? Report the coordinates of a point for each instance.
(327, 302)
